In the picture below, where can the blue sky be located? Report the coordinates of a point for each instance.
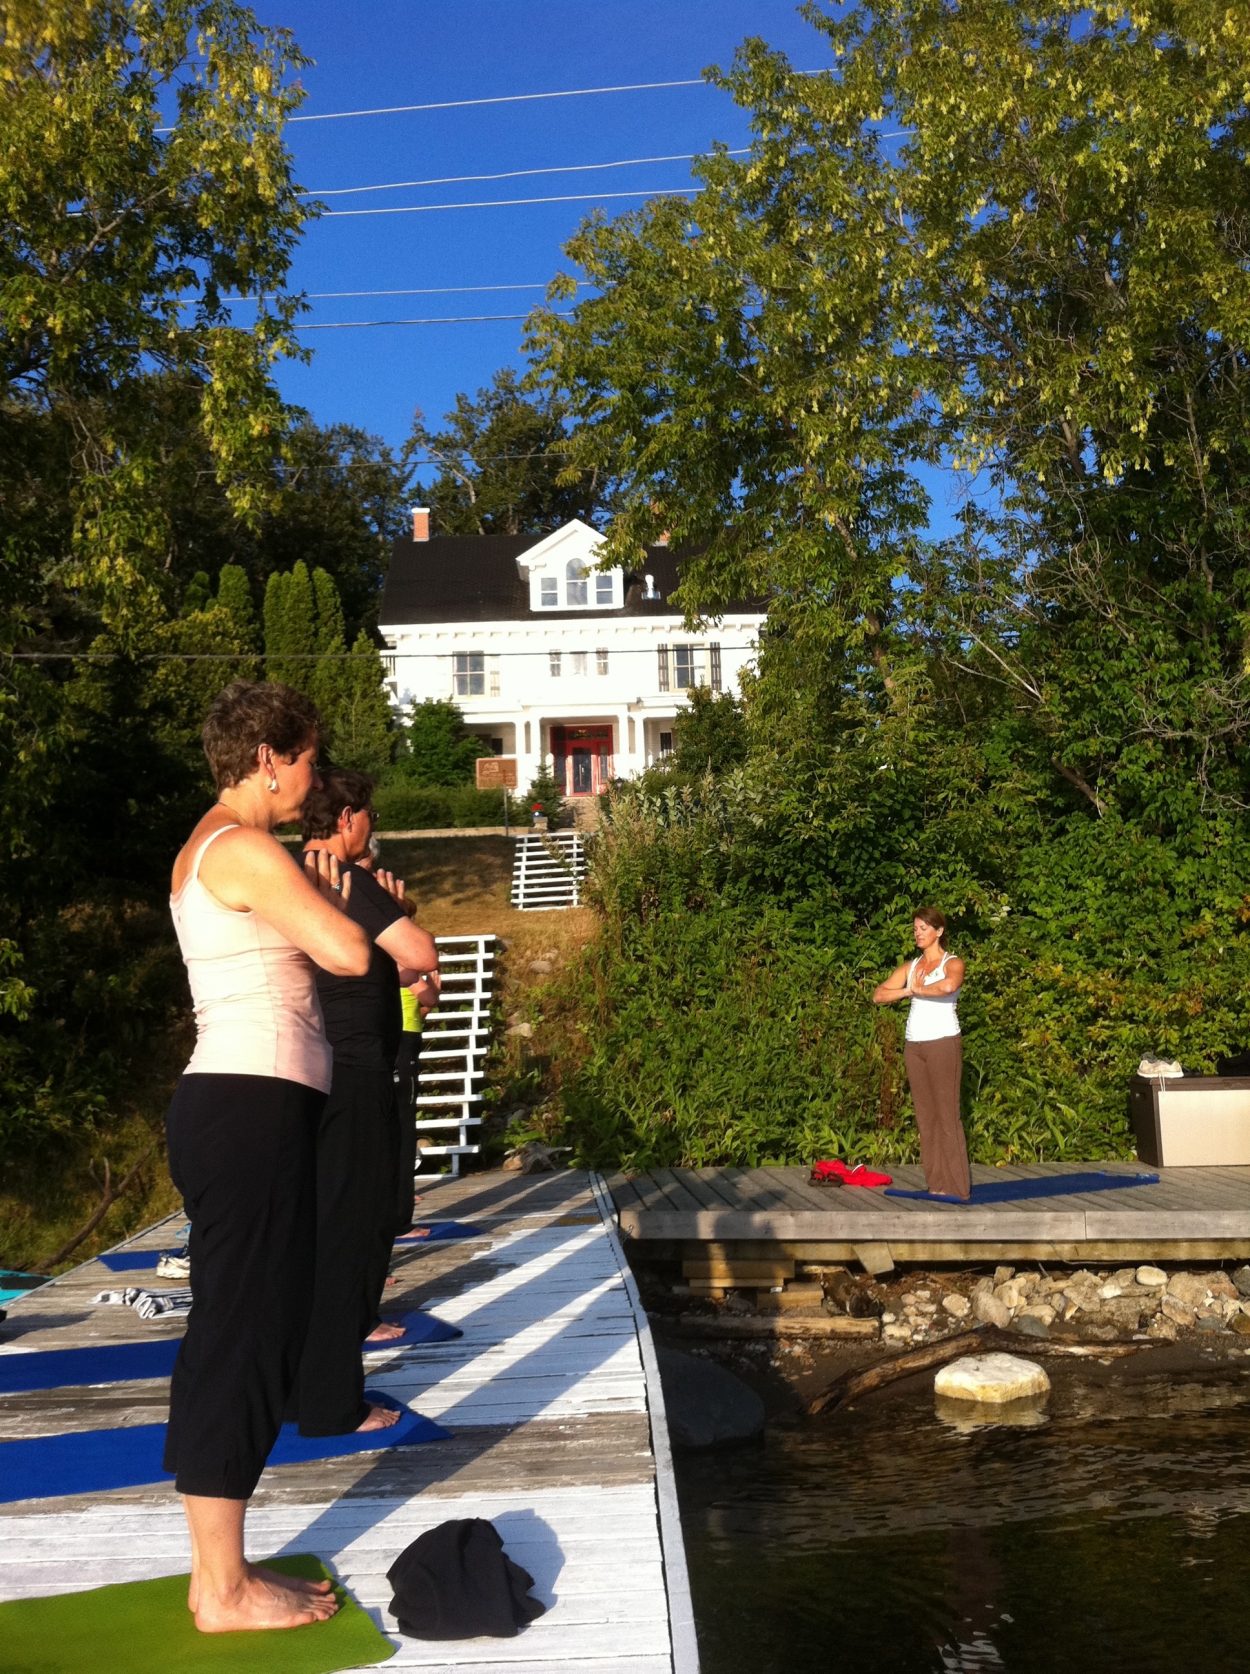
(375, 53)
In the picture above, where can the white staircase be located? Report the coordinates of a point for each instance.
(548, 870)
(454, 1042)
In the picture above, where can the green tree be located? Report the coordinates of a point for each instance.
(234, 595)
(358, 711)
(438, 749)
(291, 628)
(324, 680)
(341, 499)
(709, 733)
(1000, 235)
(143, 176)
(503, 467)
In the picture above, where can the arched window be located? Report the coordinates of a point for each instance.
(575, 583)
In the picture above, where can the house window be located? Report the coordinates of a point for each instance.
(496, 746)
(553, 658)
(470, 673)
(575, 589)
(696, 665)
(493, 677)
(577, 659)
(687, 666)
(548, 592)
(603, 587)
(601, 661)
(666, 743)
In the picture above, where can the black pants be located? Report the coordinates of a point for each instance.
(407, 1067)
(241, 1154)
(357, 1149)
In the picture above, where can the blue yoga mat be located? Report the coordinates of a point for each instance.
(92, 1461)
(101, 1363)
(133, 1261)
(1054, 1185)
(124, 1362)
(419, 1328)
(430, 1232)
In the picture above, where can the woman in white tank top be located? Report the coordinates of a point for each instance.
(933, 1051)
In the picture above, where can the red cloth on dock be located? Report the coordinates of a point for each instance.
(832, 1171)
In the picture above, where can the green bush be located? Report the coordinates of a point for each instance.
(405, 807)
(708, 1025)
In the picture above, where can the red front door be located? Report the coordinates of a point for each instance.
(582, 759)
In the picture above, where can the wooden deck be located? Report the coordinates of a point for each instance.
(558, 1437)
(1192, 1214)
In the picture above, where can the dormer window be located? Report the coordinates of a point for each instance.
(557, 572)
(575, 584)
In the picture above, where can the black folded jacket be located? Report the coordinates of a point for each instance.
(457, 1582)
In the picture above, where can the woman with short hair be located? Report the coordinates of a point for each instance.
(251, 924)
(933, 1052)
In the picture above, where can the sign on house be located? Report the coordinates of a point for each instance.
(496, 773)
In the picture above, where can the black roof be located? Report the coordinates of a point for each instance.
(474, 578)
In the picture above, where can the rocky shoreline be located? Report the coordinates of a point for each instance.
(1107, 1306)
(1177, 1321)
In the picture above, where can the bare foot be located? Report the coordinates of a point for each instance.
(385, 1333)
(380, 1418)
(265, 1600)
(301, 1584)
(297, 1584)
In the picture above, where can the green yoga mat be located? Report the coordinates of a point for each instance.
(144, 1627)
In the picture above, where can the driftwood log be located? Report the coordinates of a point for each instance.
(109, 1194)
(850, 1385)
(980, 1339)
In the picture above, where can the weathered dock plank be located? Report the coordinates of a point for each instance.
(1191, 1214)
(557, 1437)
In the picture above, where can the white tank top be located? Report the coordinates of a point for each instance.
(936, 1018)
(255, 997)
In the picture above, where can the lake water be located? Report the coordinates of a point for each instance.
(1113, 1537)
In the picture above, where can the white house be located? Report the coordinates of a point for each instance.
(547, 657)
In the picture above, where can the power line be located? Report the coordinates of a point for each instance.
(325, 656)
(433, 319)
(427, 290)
(513, 174)
(500, 99)
(510, 203)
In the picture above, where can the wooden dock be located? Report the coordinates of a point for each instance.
(1193, 1214)
(557, 1437)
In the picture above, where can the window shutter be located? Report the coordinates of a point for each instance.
(714, 667)
(663, 656)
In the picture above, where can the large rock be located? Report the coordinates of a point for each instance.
(1188, 1288)
(706, 1405)
(990, 1311)
(991, 1378)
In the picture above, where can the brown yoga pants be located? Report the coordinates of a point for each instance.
(934, 1070)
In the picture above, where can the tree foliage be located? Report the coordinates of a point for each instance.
(438, 748)
(999, 244)
(502, 465)
(143, 176)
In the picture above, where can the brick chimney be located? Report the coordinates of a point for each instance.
(420, 523)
